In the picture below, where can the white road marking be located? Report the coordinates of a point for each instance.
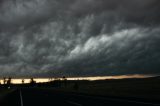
(74, 103)
(21, 98)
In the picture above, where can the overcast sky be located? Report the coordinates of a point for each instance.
(79, 37)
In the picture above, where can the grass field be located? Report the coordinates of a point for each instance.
(148, 88)
(4, 92)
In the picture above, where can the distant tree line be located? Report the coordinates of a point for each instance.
(55, 82)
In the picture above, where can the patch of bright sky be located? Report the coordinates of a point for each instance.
(41, 80)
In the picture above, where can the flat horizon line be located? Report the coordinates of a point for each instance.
(129, 75)
(41, 80)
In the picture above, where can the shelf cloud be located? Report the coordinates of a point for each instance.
(79, 37)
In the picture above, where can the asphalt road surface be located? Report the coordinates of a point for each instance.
(39, 97)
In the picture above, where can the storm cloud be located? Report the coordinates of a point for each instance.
(79, 37)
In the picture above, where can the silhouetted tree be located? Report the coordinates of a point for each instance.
(63, 78)
(50, 79)
(32, 82)
(4, 80)
(22, 81)
(9, 81)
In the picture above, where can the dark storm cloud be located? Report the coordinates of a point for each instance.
(79, 37)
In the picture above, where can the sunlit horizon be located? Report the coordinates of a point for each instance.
(42, 80)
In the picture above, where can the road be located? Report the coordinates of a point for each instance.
(39, 97)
